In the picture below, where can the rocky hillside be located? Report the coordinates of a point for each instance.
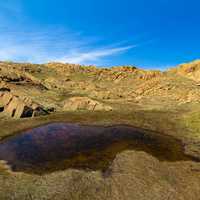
(57, 87)
(188, 70)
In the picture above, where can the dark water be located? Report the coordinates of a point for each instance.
(59, 146)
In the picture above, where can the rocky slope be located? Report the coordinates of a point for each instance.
(52, 85)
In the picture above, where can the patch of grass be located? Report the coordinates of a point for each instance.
(192, 122)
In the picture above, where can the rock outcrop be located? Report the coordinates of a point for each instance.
(148, 75)
(16, 107)
(85, 103)
(10, 76)
(189, 70)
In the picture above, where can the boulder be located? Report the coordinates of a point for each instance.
(17, 107)
(85, 103)
(6, 98)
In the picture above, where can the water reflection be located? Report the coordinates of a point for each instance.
(59, 146)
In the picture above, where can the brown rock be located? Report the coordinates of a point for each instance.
(84, 103)
(17, 107)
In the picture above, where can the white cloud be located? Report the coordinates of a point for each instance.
(53, 44)
(20, 43)
(93, 55)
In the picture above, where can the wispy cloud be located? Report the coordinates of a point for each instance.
(54, 44)
(22, 42)
(94, 55)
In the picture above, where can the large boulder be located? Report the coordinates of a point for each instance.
(85, 103)
(17, 107)
(5, 98)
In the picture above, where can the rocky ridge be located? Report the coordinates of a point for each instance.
(59, 86)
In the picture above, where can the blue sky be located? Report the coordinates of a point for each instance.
(150, 34)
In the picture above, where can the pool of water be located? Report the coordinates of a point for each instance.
(59, 146)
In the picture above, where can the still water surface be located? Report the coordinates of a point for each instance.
(59, 146)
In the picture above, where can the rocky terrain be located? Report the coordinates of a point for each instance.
(59, 87)
(167, 102)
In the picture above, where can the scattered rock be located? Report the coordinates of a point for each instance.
(101, 94)
(10, 76)
(150, 75)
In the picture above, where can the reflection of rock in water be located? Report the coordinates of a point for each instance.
(60, 146)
